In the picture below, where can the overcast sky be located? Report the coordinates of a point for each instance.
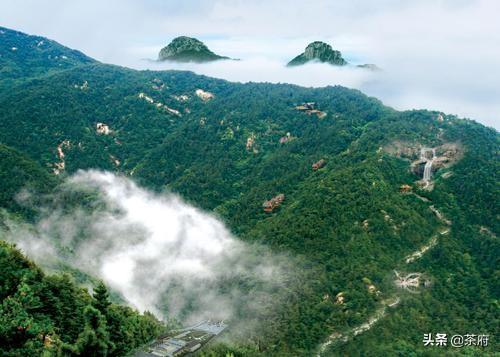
(441, 55)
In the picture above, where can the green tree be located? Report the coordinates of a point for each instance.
(94, 340)
(101, 298)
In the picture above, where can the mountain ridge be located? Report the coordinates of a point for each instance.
(26, 55)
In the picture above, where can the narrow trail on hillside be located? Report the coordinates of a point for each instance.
(409, 282)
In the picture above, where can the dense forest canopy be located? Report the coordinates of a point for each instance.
(349, 221)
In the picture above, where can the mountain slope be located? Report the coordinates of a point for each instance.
(464, 295)
(349, 222)
(22, 56)
(19, 173)
(50, 315)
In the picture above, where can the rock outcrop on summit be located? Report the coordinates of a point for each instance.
(322, 52)
(319, 51)
(187, 49)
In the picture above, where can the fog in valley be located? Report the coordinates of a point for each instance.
(157, 252)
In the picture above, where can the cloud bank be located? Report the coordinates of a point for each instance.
(157, 252)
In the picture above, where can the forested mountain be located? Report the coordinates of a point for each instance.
(29, 56)
(52, 314)
(328, 175)
(17, 173)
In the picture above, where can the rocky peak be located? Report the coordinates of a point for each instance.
(319, 51)
(187, 49)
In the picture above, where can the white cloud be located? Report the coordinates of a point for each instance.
(159, 253)
(260, 69)
(435, 54)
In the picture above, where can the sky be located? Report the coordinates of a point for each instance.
(440, 55)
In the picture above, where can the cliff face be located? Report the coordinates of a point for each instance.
(319, 51)
(187, 49)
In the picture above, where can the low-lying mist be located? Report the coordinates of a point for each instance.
(261, 69)
(159, 253)
(404, 85)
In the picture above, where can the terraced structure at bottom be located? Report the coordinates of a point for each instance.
(187, 340)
